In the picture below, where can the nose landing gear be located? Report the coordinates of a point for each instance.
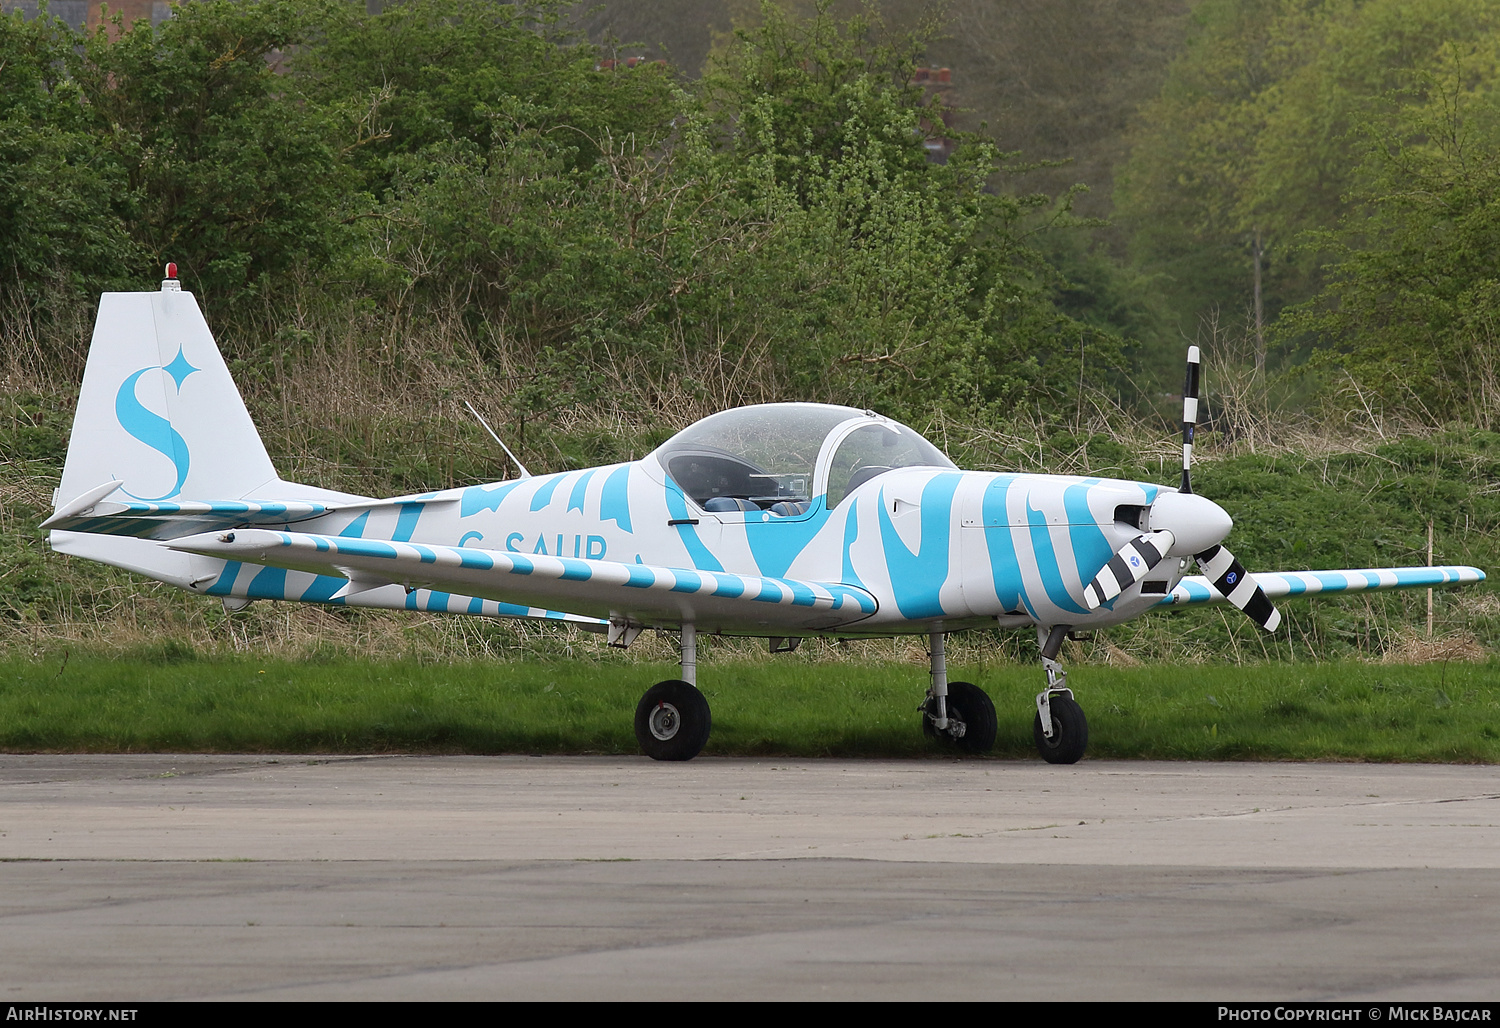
(1060, 730)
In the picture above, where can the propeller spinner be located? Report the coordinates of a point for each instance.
(1182, 524)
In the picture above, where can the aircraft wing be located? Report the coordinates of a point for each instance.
(1197, 589)
(640, 593)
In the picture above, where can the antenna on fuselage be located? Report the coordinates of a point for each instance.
(514, 459)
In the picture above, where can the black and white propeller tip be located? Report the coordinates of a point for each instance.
(1238, 586)
(1189, 416)
(1129, 565)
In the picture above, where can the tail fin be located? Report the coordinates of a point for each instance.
(160, 424)
(158, 411)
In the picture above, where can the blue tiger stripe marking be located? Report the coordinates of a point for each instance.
(700, 555)
(356, 528)
(322, 589)
(406, 522)
(614, 499)
(543, 495)
(1046, 561)
(1196, 592)
(476, 560)
(1091, 550)
(729, 586)
(477, 497)
(1005, 566)
(917, 578)
(802, 596)
(687, 582)
(225, 582)
(842, 593)
(269, 584)
(580, 490)
(367, 548)
(770, 592)
(576, 570)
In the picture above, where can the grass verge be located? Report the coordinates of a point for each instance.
(173, 700)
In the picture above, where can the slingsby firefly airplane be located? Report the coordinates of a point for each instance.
(783, 521)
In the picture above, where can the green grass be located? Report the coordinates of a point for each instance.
(174, 700)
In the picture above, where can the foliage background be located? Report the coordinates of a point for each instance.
(386, 214)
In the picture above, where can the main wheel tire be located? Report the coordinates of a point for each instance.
(1070, 732)
(971, 705)
(672, 721)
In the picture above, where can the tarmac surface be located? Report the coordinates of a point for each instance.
(153, 877)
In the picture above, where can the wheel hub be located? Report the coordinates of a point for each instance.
(956, 727)
(664, 721)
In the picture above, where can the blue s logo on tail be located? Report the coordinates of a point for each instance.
(153, 429)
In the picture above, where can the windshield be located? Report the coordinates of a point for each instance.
(765, 457)
(872, 450)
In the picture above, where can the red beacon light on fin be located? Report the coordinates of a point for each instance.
(170, 283)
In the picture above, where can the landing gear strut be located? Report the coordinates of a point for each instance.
(672, 721)
(1061, 731)
(956, 714)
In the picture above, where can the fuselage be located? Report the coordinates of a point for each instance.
(931, 544)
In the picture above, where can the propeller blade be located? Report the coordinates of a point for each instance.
(1189, 418)
(1238, 586)
(1127, 567)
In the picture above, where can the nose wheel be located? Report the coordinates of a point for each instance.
(1070, 731)
(1060, 730)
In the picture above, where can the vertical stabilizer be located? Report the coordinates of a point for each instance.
(158, 410)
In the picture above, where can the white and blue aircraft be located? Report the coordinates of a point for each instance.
(784, 521)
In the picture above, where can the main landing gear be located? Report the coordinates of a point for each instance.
(672, 721)
(956, 714)
(1060, 730)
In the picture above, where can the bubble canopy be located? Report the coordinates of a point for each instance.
(782, 456)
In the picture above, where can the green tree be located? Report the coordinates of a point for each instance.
(1250, 145)
(61, 235)
(224, 171)
(1411, 310)
(432, 72)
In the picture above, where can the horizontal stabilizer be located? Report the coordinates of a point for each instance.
(175, 520)
(1277, 584)
(593, 588)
